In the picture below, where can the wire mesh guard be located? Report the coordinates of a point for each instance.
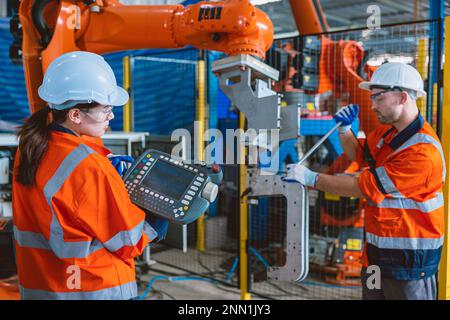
(164, 93)
(320, 73)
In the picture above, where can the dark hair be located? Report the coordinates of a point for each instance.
(33, 140)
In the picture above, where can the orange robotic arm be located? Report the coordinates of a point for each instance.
(51, 28)
(308, 16)
(339, 60)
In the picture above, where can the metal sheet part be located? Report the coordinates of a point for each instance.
(290, 122)
(297, 229)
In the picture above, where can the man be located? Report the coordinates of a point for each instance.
(404, 218)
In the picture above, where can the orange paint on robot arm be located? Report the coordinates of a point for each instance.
(309, 16)
(232, 26)
(339, 63)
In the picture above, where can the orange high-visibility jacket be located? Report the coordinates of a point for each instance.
(404, 218)
(76, 230)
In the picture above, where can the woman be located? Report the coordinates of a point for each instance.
(75, 227)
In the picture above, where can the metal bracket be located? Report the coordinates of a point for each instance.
(290, 122)
(297, 252)
(247, 83)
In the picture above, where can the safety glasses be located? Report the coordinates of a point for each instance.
(376, 96)
(99, 114)
(107, 110)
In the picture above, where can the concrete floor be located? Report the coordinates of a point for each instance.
(172, 283)
(173, 289)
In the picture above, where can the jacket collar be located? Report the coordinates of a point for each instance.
(407, 133)
(57, 127)
(94, 143)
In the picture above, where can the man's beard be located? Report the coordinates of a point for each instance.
(385, 120)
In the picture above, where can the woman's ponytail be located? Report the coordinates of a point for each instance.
(33, 140)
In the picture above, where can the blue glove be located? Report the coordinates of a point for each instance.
(160, 225)
(120, 162)
(346, 115)
(300, 173)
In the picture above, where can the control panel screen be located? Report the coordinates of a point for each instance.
(168, 179)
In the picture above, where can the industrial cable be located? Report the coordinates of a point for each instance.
(162, 293)
(167, 274)
(264, 262)
(217, 254)
(159, 293)
(169, 295)
(284, 290)
(199, 254)
(219, 283)
(219, 286)
(287, 293)
(203, 274)
(228, 290)
(199, 260)
(325, 285)
(261, 295)
(173, 274)
(171, 279)
(189, 271)
(231, 272)
(259, 256)
(229, 275)
(306, 283)
(156, 295)
(256, 253)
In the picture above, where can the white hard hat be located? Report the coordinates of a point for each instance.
(80, 77)
(396, 74)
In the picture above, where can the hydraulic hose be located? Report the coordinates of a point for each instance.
(37, 14)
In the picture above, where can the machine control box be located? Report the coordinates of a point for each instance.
(172, 188)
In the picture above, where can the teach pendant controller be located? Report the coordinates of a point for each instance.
(171, 188)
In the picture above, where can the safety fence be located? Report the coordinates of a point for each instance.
(170, 90)
(319, 73)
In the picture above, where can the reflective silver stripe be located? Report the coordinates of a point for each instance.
(423, 138)
(61, 248)
(123, 292)
(81, 249)
(56, 243)
(387, 183)
(404, 243)
(131, 237)
(380, 143)
(30, 239)
(149, 231)
(403, 203)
